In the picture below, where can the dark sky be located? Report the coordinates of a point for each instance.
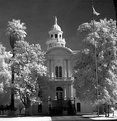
(39, 17)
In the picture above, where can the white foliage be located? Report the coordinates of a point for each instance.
(100, 45)
(28, 65)
(16, 28)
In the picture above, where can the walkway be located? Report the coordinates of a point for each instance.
(60, 118)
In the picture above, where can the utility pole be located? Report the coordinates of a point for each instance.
(96, 66)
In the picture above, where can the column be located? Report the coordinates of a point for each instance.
(48, 69)
(65, 93)
(65, 70)
(72, 90)
(69, 69)
(52, 70)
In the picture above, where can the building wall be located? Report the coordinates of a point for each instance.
(62, 57)
(59, 57)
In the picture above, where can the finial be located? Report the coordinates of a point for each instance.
(55, 20)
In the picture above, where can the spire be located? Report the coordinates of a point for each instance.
(55, 20)
(56, 27)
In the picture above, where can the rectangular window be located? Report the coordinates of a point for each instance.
(58, 71)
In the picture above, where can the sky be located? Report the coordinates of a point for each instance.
(38, 16)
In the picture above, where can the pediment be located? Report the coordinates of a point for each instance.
(59, 51)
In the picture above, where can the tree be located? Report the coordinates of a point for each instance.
(28, 67)
(99, 47)
(5, 75)
(27, 64)
(16, 31)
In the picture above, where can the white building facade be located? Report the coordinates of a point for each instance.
(60, 91)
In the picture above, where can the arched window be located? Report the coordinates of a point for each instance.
(58, 71)
(56, 35)
(51, 35)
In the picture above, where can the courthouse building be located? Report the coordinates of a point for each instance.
(60, 93)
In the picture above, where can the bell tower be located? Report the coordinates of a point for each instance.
(55, 37)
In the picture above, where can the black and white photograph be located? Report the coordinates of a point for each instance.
(58, 60)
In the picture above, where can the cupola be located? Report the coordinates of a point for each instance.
(55, 36)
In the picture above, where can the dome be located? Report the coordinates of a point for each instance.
(56, 26)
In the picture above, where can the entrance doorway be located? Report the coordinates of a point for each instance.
(39, 108)
(78, 107)
(59, 93)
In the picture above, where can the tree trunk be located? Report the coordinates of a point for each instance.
(27, 106)
(27, 111)
(108, 110)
